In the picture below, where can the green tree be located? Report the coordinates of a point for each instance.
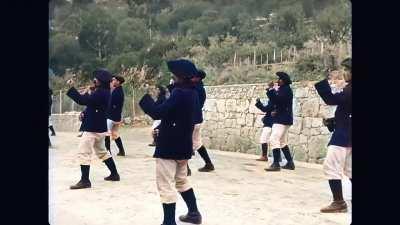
(63, 53)
(98, 33)
(132, 35)
(334, 22)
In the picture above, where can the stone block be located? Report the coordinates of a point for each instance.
(317, 146)
(316, 122)
(230, 104)
(303, 139)
(220, 104)
(242, 106)
(300, 92)
(293, 139)
(307, 122)
(324, 130)
(210, 105)
(297, 125)
(310, 107)
(249, 119)
(296, 107)
(315, 131)
(326, 111)
(300, 153)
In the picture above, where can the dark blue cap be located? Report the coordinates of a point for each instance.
(284, 76)
(182, 68)
(102, 75)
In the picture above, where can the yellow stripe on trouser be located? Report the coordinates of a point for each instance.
(92, 142)
(170, 173)
(338, 162)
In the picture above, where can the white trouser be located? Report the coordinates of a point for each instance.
(171, 176)
(90, 142)
(278, 138)
(197, 142)
(338, 162)
(265, 135)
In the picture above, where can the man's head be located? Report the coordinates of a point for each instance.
(183, 70)
(117, 81)
(283, 78)
(346, 65)
(102, 78)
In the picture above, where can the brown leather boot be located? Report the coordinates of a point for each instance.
(263, 158)
(335, 207)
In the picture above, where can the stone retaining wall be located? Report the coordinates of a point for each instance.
(233, 123)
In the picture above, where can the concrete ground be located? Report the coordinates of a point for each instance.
(238, 192)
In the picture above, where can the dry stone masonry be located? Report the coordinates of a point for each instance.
(233, 123)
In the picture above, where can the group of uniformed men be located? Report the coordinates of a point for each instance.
(178, 135)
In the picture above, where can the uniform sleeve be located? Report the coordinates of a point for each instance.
(281, 96)
(117, 99)
(157, 112)
(324, 90)
(265, 108)
(85, 99)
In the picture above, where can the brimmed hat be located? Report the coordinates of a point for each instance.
(284, 76)
(182, 68)
(119, 78)
(346, 63)
(102, 75)
(201, 74)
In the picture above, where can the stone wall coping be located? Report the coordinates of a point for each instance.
(255, 84)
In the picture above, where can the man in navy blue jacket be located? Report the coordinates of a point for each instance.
(94, 126)
(114, 114)
(198, 120)
(282, 97)
(339, 154)
(174, 145)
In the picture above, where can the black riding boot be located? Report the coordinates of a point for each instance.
(275, 165)
(114, 176)
(289, 165)
(338, 204)
(264, 155)
(204, 155)
(169, 214)
(193, 215)
(84, 182)
(121, 152)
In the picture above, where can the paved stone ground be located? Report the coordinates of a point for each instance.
(238, 192)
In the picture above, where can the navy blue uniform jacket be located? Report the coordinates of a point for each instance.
(96, 107)
(267, 119)
(342, 134)
(201, 92)
(283, 104)
(174, 139)
(114, 111)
